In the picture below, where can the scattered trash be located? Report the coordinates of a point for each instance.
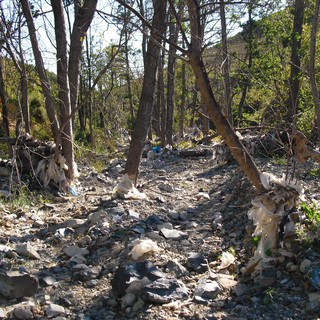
(267, 212)
(314, 276)
(125, 189)
(227, 259)
(141, 247)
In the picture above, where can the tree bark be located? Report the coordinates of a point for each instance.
(223, 126)
(63, 85)
(173, 37)
(183, 100)
(312, 72)
(225, 65)
(295, 71)
(44, 79)
(148, 90)
(83, 18)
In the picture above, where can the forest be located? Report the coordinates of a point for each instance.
(115, 85)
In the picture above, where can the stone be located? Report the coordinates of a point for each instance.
(54, 310)
(305, 265)
(197, 262)
(133, 277)
(207, 289)
(18, 286)
(23, 312)
(27, 250)
(173, 234)
(166, 187)
(128, 300)
(75, 250)
(177, 268)
(165, 290)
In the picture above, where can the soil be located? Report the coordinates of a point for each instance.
(205, 201)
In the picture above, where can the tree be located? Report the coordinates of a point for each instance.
(143, 119)
(226, 107)
(295, 63)
(10, 30)
(68, 72)
(312, 63)
(223, 126)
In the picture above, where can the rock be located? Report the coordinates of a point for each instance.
(23, 312)
(18, 286)
(128, 300)
(305, 265)
(48, 280)
(207, 289)
(75, 250)
(197, 262)
(314, 297)
(83, 272)
(54, 310)
(165, 290)
(133, 214)
(166, 187)
(138, 305)
(133, 277)
(173, 234)
(178, 269)
(27, 250)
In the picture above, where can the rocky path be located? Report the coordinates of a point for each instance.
(177, 254)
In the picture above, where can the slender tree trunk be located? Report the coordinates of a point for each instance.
(225, 65)
(4, 109)
(173, 37)
(223, 126)
(63, 84)
(183, 100)
(44, 79)
(162, 100)
(83, 18)
(246, 78)
(148, 90)
(295, 72)
(312, 72)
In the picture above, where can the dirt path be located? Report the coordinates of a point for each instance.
(83, 241)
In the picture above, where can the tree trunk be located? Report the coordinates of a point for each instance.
(173, 37)
(5, 119)
(44, 79)
(83, 18)
(162, 100)
(225, 65)
(295, 72)
(148, 90)
(312, 72)
(246, 79)
(63, 84)
(223, 126)
(183, 100)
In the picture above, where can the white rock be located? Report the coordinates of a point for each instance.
(54, 310)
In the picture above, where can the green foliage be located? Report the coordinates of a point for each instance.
(312, 213)
(21, 197)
